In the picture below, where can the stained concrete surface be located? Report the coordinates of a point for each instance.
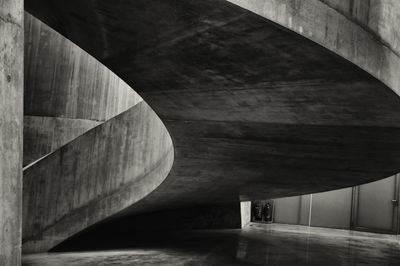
(257, 244)
(11, 117)
(364, 32)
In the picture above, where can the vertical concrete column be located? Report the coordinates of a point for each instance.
(245, 213)
(11, 119)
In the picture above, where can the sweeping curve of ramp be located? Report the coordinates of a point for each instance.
(254, 110)
(92, 146)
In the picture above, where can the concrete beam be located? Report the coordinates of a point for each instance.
(11, 117)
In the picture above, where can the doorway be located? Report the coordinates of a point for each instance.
(262, 211)
(375, 206)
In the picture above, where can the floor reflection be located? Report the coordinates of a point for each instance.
(258, 244)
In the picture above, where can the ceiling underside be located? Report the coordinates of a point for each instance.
(254, 110)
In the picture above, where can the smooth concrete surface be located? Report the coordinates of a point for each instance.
(378, 196)
(11, 119)
(367, 207)
(245, 213)
(93, 177)
(304, 214)
(333, 209)
(257, 244)
(290, 210)
(254, 110)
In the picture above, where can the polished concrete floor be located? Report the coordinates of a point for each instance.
(257, 244)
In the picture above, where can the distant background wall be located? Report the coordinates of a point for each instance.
(370, 207)
(292, 210)
(332, 209)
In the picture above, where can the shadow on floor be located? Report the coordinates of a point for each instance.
(258, 244)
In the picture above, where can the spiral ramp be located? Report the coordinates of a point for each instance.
(107, 147)
(250, 101)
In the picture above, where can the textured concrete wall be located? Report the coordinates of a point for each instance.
(98, 174)
(380, 17)
(62, 80)
(67, 92)
(11, 112)
(102, 171)
(365, 32)
(43, 135)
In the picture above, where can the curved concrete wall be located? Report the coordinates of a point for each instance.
(67, 91)
(94, 168)
(43, 135)
(365, 32)
(380, 17)
(98, 174)
(11, 112)
(62, 80)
